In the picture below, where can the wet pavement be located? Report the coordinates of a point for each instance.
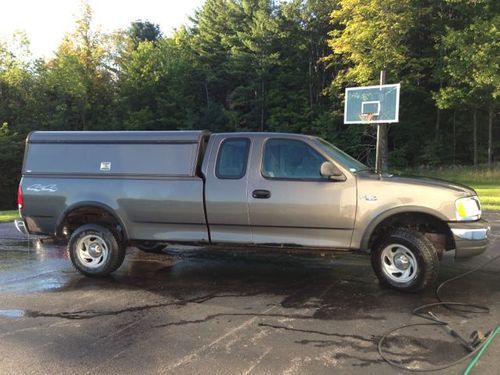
(214, 312)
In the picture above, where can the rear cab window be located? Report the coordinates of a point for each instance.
(232, 159)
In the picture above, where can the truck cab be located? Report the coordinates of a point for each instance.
(268, 189)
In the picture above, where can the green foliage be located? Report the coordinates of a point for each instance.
(142, 31)
(156, 86)
(10, 165)
(373, 36)
(77, 83)
(271, 66)
(471, 64)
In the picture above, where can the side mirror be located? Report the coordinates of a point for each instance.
(331, 172)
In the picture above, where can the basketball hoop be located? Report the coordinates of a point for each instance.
(372, 104)
(377, 106)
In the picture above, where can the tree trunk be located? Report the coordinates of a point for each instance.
(310, 82)
(83, 116)
(262, 99)
(438, 124)
(323, 78)
(206, 92)
(454, 137)
(474, 135)
(490, 135)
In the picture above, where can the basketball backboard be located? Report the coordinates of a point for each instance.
(372, 104)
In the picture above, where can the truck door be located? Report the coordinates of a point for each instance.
(226, 173)
(290, 203)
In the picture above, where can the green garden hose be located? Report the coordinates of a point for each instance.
(475, 349)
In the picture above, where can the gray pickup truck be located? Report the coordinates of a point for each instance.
(104, 191)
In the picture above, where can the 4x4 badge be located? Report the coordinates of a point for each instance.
(38, 187)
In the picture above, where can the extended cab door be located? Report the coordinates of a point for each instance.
(226, 171)
(290, 203)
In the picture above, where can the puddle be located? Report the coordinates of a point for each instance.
(17, 245)
(27, 282)
(12, 313)
(31, 266)
(36, 249)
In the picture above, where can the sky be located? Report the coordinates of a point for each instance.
(46, 21)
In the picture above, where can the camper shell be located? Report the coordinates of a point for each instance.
(155, 153)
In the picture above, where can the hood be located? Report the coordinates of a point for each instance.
(424, 181)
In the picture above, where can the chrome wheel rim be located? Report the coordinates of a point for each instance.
(399, 263)
(92, 251)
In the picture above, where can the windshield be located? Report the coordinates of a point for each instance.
(341, 157)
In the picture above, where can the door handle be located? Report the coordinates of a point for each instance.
(261, 194)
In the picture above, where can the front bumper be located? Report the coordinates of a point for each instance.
(471, 238)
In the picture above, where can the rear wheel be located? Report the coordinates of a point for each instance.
(151, 247)
(95, 251)
(405, 260)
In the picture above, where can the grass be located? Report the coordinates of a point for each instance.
(6, 216)
(485, 181)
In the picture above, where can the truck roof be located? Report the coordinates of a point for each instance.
(191, 136)
(168, 136)
(266, 134)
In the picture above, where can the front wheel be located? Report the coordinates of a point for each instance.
(95, 251)
(405, 260)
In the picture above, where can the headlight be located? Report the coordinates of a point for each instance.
(467, 209)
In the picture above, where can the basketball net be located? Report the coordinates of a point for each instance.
(367, 117)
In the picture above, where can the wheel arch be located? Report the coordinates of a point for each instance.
(91, 206)
(419, 213)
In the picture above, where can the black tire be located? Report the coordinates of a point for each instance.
(391, 271)
(151, 247)
(96, 266)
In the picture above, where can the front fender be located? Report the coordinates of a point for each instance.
(369, 228)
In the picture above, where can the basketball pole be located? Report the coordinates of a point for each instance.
(380, 130)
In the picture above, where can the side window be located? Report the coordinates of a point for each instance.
(232, 158)
(291, 159)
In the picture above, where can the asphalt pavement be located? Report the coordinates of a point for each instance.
(198, 311)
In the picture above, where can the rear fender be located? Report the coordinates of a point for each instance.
(88, 204)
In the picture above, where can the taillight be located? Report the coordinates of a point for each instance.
(20, 200)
